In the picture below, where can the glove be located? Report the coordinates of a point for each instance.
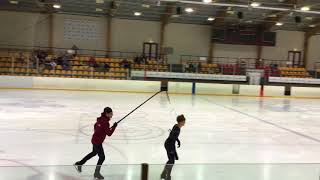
(115, 125)
(179, 144)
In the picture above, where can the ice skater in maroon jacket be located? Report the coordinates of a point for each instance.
(101, 130)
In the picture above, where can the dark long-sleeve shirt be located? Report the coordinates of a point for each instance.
(174, 136)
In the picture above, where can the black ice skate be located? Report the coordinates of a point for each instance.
(78, 167)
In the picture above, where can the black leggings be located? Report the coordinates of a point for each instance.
(97, 149)
(172, 155)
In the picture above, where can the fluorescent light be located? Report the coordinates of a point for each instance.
(146, 5)
(255, 4)
(137, 13)
(305, 8)
(189, 10)
(211, 18)
(14, 2)
(279, 23)
(230, 12)
(57, 6)
(99, 1)
(207, 1)
(309, 18)
(243, 6)
(312, 25)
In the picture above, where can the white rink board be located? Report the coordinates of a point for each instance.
(274, 90)
(78, 84)
(180, 87)
(208, 88)
(305, 92)
(250, 90)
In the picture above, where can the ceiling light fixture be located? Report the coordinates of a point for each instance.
(243, 6)
(14, 2)
(57, 6)
(211, 18)
(279, 23)
(255, 4)
(207, 1)
(189, 10)
(146, 5)
(99, 1)
(137, 13)
(305, 8)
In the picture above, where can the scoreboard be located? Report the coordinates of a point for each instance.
(244, 36)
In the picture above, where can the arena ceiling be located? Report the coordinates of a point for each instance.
(224, 12)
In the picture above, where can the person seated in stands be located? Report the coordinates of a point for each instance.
(92, 62)
(199, 67)
(21, 58)
(42, 56)
(137, 60)
(125, 64)
(144, 59)
(106, 67)
(191, 68)
(59, 60)
(65, 62)
(52, 64)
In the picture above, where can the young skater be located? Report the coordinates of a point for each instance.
(101, 130)
(170, 145)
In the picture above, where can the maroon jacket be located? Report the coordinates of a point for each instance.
(101, 130)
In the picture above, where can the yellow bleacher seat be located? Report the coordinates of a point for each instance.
(23, 70)
(17, 70)
(96, 73)
(59, 67)
(45, 71)
(80, 73)
(85, 73)
(74, 68)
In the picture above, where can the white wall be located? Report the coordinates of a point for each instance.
(23, 28)
(129, 35)
(236, 51)
(286, 41)
(58, 35)
(187, 39)
(314, 53)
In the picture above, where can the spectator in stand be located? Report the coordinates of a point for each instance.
(42, 56)
(137, 60)
(92, 62)
(106, 67)
(65, 62)
(199, 67)
(59, 60)
(53, 64)
(125, 64)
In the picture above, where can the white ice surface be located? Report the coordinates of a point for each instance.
(55, 128)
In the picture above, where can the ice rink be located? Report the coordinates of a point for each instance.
(55, 127)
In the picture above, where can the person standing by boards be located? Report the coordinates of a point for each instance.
(170, 146)
(101, 130)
